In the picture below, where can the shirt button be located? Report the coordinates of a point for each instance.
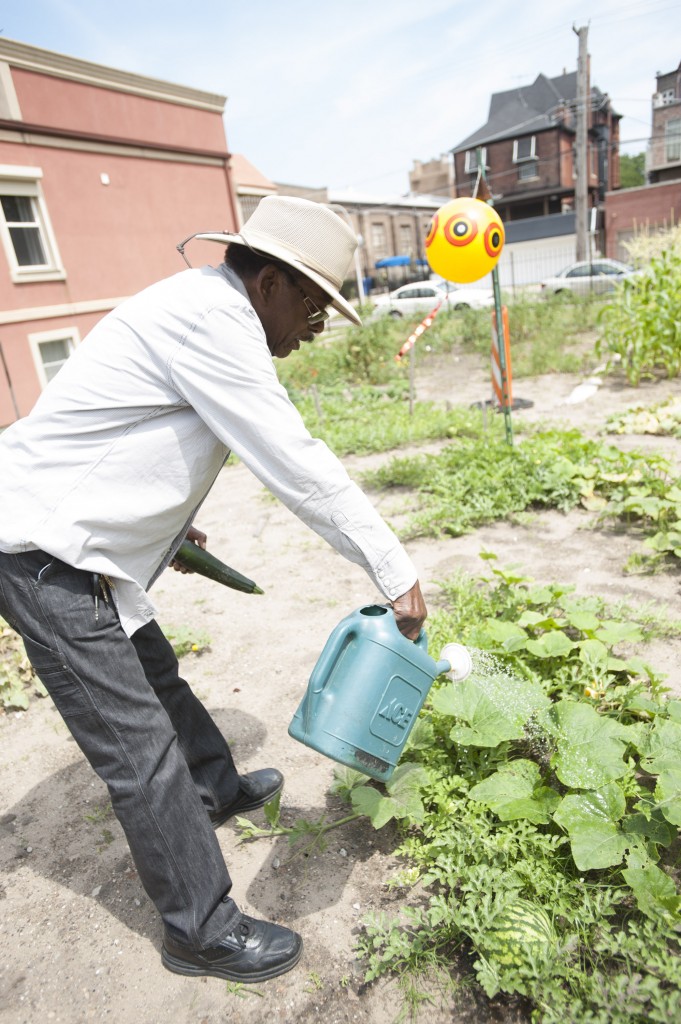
(387, 581)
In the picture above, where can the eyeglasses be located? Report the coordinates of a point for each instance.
(315, 315)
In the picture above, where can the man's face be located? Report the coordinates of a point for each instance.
(288, 301)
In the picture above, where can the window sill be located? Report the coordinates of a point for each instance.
(28, 276)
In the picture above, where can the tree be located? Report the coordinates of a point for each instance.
(632, 170)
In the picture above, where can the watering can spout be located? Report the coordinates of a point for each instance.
(456, 661)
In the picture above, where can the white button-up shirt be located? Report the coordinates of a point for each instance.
(109, 468)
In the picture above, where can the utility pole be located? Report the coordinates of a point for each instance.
(581, 144)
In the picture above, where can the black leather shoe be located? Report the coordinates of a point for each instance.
(255, 790)
(254, 951)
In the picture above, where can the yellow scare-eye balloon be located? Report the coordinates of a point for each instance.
(464, 241)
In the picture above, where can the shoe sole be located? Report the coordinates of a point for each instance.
(172, 963)
(245, 808)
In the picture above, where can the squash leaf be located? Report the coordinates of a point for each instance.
(516, 791)
(591, 822)
(495, 709)
(590, 747)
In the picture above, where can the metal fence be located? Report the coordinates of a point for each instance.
(523, 266)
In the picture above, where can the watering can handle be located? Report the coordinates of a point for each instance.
(333, 648)
(321, 673)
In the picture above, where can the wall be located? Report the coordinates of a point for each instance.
(635, 209)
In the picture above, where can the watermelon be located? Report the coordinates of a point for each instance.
(520, 930)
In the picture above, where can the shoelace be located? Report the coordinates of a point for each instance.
(241, 932)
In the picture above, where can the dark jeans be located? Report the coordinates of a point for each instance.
(143, 731)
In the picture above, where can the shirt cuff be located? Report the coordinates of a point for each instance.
(395, 574)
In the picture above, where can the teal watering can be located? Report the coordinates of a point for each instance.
(366, 691)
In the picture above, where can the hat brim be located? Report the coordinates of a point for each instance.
(268, 248)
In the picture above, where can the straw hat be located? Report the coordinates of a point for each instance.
(307, 236)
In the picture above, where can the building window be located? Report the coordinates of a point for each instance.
(406, 243)
(25, 228)
(472, 160)
(527, 169)
(673, 140)
(525, 156)
(524, 149)
(378, 240)
(50, 351)
(23, 225)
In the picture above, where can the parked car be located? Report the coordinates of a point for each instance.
(422, 296)
(589, 277)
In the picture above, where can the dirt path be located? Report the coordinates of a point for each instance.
(80, 941)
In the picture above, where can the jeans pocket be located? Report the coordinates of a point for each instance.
(58, 679)
(51, 569)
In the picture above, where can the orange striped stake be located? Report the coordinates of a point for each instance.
(413, 338)
(502, 383)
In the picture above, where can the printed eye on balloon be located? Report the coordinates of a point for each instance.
(464, 241)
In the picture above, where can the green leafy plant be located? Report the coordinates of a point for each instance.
(551, 810)
(663, 419)
(400, 801)
(373, 419)
(546, 337)
(17, 678)
(640, 328)
(539, 805)
(479, 479)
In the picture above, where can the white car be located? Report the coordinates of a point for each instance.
(423, 296)
(589, 277)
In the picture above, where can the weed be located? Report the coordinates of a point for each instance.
(99, 813)
(106, 839)
(478, 479)
(186, 640)
(17, 677)
(240, 990)
(314, 982)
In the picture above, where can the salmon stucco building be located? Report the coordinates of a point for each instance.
(102, 173)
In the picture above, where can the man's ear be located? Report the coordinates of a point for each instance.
(267, 282)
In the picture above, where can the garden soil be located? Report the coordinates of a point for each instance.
(79, 939)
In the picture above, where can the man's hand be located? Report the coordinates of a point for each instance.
(410, 612)
(194, 536)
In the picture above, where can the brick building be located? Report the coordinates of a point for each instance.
(527, 148)
(663, 158)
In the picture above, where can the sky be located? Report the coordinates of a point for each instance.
(348, 94)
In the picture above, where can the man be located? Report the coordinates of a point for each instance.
(101, 483)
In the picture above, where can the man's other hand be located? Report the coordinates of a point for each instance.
(194, 536)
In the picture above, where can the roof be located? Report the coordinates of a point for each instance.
(60, 65)
(411, 201)
(526, 109)
(246, 175)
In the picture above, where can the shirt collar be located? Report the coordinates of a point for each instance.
(233, 278)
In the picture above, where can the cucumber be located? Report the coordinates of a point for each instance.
(195, 558)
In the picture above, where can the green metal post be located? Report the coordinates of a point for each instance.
(501, 343)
